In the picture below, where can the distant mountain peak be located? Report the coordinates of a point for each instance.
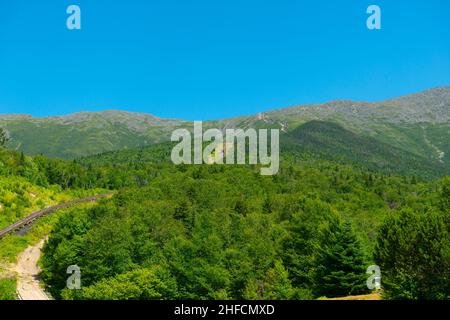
(85, 133)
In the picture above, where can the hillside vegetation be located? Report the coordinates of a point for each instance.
(221, 232)
(313, 140)
(331, 141)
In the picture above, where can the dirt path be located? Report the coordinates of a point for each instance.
(27, 269)
(373, 296)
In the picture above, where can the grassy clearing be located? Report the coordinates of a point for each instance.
(8, 289)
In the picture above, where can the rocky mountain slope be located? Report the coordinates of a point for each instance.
(417, 123)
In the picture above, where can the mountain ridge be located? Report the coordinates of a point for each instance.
(445, 90)
(417, 123)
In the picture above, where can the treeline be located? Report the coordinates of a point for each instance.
(94, 172)
(221, 232)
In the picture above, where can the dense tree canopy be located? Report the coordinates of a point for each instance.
(413, 251)
(221, 232)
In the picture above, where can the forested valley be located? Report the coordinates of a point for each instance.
(226, 232)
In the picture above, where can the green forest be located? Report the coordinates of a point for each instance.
(226, 232)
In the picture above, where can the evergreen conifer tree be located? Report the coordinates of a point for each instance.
(341, 266)
(413, 253)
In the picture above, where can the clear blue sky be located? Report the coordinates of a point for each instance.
(208, 59)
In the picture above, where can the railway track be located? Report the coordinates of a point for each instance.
(36, 215)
